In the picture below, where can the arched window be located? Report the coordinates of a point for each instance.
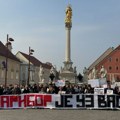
(117, 59)
(117, 67)
(110, 68)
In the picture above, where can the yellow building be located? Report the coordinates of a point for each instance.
(12, 68)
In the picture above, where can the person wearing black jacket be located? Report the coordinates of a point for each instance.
(1, 90)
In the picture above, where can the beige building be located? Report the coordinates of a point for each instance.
(13, 66)
(39, 72)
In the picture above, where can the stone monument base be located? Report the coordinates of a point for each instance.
(68, 76)
(32, 82)
(68, 73)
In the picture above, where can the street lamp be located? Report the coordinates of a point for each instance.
(30, 53)
(52, 76)
(9, 40)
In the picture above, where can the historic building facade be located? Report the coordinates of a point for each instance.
(106, 66)
(39, 72)
(13, 66)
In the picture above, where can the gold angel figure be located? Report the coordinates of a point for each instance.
(68, 18)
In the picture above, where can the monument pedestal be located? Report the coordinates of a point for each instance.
(32, 82)
(68, 73)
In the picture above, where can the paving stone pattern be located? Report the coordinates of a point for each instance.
(48, 114)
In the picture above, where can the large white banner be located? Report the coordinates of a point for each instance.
(64, 101)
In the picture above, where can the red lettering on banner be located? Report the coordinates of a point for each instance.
(39, 100)
(47, 98)
(4, 100)
(30, 100)
(22, 100)
(13, 99)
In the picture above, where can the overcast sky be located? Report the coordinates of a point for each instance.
(40, 25)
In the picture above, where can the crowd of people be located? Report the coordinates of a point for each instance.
(51, 89)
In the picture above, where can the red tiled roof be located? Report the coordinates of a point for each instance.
(114, 50)
(35, 61)
(104, 56)
(99, 59)
(5, 52)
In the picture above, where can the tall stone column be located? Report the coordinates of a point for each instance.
(68, 49)
(67, 72)
(68, 25)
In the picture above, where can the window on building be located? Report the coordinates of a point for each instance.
(12, 74)
(117, 68)
(117, 79)
(23, 75)
(117, 59)
(17, 75)
(17, 66)
(110, 68)
(110, 59)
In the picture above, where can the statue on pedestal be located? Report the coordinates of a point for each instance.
(94, 73)
(103, 72)
(68, 15)
(52, 73)
(41, 73)
(85, 72)
(53, 70)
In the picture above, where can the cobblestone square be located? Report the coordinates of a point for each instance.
(51, 114)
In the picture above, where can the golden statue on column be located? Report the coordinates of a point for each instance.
(68, 18)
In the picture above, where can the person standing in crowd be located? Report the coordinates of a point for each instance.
(26, 89)
(116, 90)
(35, 88)
(1, 89)
(51, 90)
(16, 90)
(109, 89)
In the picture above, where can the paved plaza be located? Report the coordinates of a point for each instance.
(48, 114)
